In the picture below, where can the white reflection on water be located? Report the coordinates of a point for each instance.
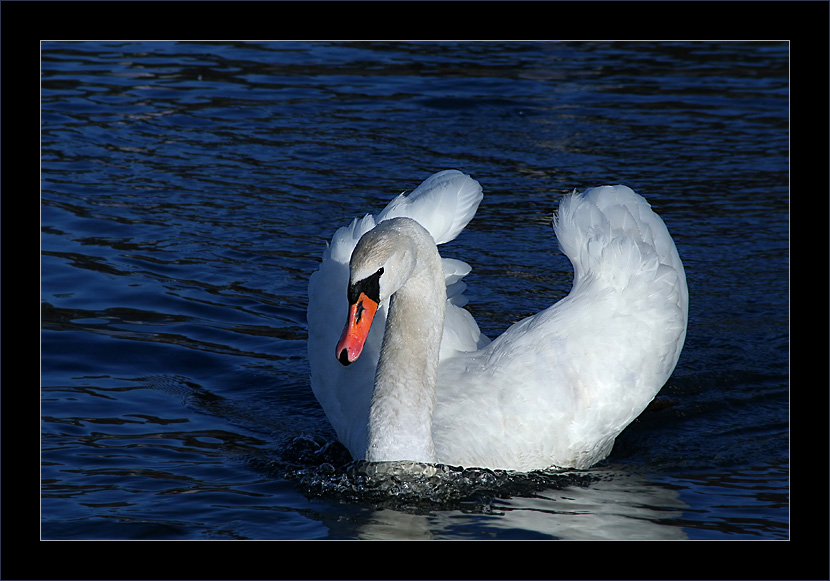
(620, 506)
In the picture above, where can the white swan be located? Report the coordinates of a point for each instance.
(554, 390)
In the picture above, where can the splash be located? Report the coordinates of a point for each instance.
(323, 469)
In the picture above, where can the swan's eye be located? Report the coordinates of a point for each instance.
(370, 286)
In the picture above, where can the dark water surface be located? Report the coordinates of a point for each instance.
(188, 190)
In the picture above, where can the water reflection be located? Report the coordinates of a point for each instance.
(617, 506)
(415, 501)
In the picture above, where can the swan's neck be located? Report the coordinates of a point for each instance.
(400, 417)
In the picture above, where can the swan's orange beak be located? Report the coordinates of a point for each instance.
(361, 313)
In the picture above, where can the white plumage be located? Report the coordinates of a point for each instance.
(555, 389)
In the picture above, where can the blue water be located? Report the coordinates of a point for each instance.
(187, 193)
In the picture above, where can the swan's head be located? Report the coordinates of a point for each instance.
(381, 263)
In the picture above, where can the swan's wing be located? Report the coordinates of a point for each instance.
(594, 227)
(343, 392)
(621, 250)
(616, 338)
(615, 241)
(444, 203)
(461, 332)
(568, 379)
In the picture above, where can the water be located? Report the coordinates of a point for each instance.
(187, 193)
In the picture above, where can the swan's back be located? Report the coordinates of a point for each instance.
(563, 383)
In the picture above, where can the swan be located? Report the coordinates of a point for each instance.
(412, 378)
